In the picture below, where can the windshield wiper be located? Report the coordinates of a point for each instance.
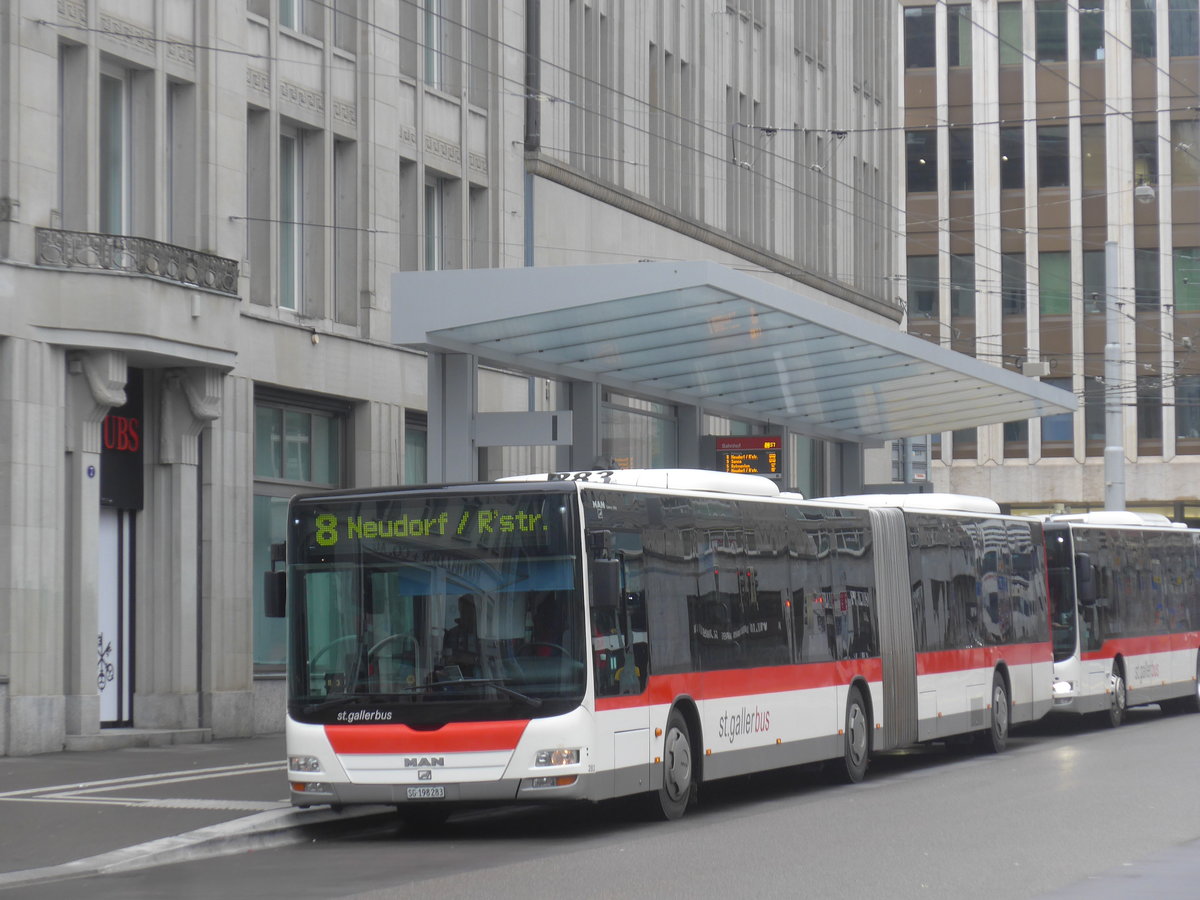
(498, 684)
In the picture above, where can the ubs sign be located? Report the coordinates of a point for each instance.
(121, 450)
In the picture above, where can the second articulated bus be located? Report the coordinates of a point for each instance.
(1125, 607)
(599, 634)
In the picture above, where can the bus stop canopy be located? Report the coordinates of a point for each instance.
(703, 334)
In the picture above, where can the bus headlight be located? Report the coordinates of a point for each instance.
(1063, 688)
(311, 787)
(304, 764)
(559, 757)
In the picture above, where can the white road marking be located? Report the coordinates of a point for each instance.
(86, 792)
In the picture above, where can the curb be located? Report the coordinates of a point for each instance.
(261, 831)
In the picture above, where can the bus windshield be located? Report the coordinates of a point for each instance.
(1060, 576)
(428, 608)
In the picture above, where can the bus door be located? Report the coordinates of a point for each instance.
(621, 663)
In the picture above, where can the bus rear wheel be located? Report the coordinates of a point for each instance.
(678, 788)
(856, 755)
(995, 739)
(1116, 709)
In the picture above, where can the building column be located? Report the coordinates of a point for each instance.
(226, 552)
(32, 547)
(169, 629)
(452, 406)
(95, 385)
(586, 447)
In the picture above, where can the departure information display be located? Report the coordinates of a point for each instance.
(749, 455)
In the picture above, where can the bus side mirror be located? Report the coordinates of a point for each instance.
(606, 583)
(1085, 580)
(275, 594)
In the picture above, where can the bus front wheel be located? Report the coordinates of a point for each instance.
(678, 787)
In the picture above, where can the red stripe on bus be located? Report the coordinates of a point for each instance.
(455, 737)
(941, 662)
(663, 689)
(1152, 643)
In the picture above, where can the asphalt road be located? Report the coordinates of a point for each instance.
(1068, 811)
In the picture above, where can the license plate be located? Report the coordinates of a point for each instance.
(426, 793)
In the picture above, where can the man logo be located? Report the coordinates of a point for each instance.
(424, 762)
(425, 775)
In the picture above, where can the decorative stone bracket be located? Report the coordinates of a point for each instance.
(95, 385)
(191, 398)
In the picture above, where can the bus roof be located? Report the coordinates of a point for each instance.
(932, 502)
(1116, 517)
(666, 479)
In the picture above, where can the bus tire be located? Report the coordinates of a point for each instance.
(678, 785)
(1115, 715)
(995, 739)
(856, 744)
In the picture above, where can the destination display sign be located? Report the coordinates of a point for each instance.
(398, 526)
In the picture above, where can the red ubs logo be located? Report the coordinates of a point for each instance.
(123, 434)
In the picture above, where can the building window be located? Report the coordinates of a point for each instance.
(919, 45)
(958, 34)
(1183, 27)
(1149, 409)
(181, 164)
(962, 161)
(435, 224)
(114, 128)
(1011, 45)
(1051, 30)
(921, 156)
(1185, 152)
(923, 287)
(1187, 279)
(1094, 282)
(1142, 29)
(295, 448)
(1016, 440)
(1012, 158)
(291, 14)
(966, 443)
(1053, 164)
(345, 232)
(1058, 431)
(1145, 153)
(1091, 140)
(1146, 290)
(1187, 407)
(638, 433)
(1054, 283)
(433, 43)
(416, 448)
(1094, 415)
(962, 286)
(1091, 29)
(1012, 286)
(291, 215)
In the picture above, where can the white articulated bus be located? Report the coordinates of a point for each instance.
(1125, 610)
(597, 634)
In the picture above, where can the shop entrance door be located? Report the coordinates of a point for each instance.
(114, 641)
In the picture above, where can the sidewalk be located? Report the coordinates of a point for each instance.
(69, 814)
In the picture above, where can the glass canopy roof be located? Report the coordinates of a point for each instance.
(704, 334)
